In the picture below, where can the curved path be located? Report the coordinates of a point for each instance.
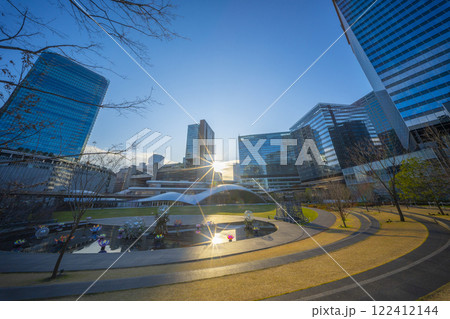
(44, 262)
(409, 277)
(369, 226)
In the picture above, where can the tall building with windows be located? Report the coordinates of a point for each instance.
(403, 48)
(199, 148)
(381, 123)
(54, 108)
(346, 136)
(267, 168)
(200, 151)
(28, 173)
(335, 129)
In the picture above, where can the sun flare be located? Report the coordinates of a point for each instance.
(219, 166)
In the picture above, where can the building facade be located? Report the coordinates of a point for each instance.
(384, 129)
(54, 108)
(37, 174)
(198, 144)
(268, 170)
(200, 151)
(335, 129)
(357, 175)
(403, 48)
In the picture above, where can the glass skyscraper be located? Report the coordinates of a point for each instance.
(192, 134)
(61, 95)
(269, 171)
(403, 47)
(200, 151)
(195, 150)
(383, 127)
(335, 129)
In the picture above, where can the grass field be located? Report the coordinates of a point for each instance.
(266, 211)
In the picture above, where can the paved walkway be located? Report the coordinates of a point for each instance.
(409, 277)
(44, 262)
(369, 226)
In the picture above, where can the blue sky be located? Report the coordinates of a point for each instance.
(239, 56)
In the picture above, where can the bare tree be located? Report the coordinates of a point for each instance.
(365, 193)
(339, 200)
(439, 141)
(24, 36)
(89, 180)
(17, 129)
(124, 20)
(127, 22)
(380, 165)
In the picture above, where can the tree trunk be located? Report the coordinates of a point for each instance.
(63, 250)
(400, 213)
(395, 200)
(440, 208)
(343, 218)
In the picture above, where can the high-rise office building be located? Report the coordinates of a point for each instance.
(383, 127)
(53, 109)
(335, 129)
(346, 136)
(200, 151)
(199, 144)
(403, 48)
(268, 169)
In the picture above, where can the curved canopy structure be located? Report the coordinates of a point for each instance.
(221, 194)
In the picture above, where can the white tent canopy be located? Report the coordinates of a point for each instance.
(197, 198)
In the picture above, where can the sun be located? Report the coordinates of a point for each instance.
(216, 240)
(218, 166)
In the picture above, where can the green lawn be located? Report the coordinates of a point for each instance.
(265, 211)
(65, 216)
(308, 212)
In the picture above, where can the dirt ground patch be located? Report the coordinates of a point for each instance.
(441, 294)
